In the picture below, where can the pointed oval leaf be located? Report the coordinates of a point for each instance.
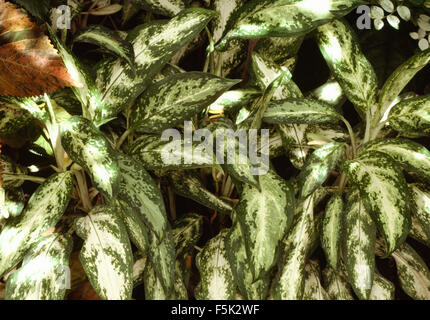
(336, 284)
(313, 289)
(318, 167)
(42, 212)
(106, 254)
(139, 191)
(278, 50)
(120, 84)
(216, 277)
(8, 170)
(174, 99)
(385, 194)
(358, 245)
(87, 146)
(265, 217)
(348, 64)
(109, 39)
(421, 213)
(413, 273)
(408, 154)
(331, 230)
(167, 8)
(411, 117)
(304, 110)
(382, 289)
(43, 274)
(12, 117)
(154, 289)
(231, 101)
(186, 232)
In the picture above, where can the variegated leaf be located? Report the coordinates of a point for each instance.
(231, 101)
(321, 134)
(409, 154)
(330, 92)
(186, 232)
(331, 230)
(106, 254)
(281, 18)
(382, 289)
(413, 273)
(43, 274)
(120, 84)
(348, 64)
(154, 153)
(385, 194)
(265, 216)
(108, 39)
(250, 288)
(313, 289)
(87, 146)
(336, 284)
(42, 212)
(167, 8)
(174, 99)
(421, 213)
(318, 167)
(13, 117)
(358, 245)
(304, 110)
(154, 289)
(188, 185)
(290, 280)
(217, 281)
(139, 191)
(139, 266)
(411, 117)
(278, 50)
(87, 93)
(10, 172)
(399, 79)
(294, 140)
(14, 201)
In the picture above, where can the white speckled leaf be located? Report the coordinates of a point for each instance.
(331, 230)
(106, 254)
(385, 194)
(231, 101)
(42, 212)
(358, 245)
(382, 289)
(265, 217)
(43, 274)
(336, 284)
(167, 8)
(174, 99)
(421, 213)
(313, 289)
(154, 45)
(86, 145)
(348, 64)
(413, 273)
(215, 271)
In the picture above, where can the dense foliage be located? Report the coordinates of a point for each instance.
(90, 207)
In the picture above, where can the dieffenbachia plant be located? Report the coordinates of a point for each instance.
(105, 209)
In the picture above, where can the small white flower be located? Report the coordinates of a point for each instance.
(421, 35)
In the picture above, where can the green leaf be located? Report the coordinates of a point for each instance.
(278, 50)
(399, 79)
(108, 39)
(43, 274)
(265, 217)
(87, 146)
(37, 8)
(385, 194)
(330, 92)
(231, 101)
(250, 288)
(154, 153)
(43, 211)
(13, 117)
(303, 110)
(281, 18)
(421, 214)
(9, 170)
(174, 99)
(106, 254)
(409, 154)
(318, 167)
(215, 272)
(411, 117)
(167, 8)
(139, 191)
(358, 245)
(331, 230)
(15, 201)
(313, 289)
(348, 64)
(413, 273)
(139, 266)
(382, 289)
(336, 284)
(290, 279)
(188, 185)
(154, 289)
(120, 84)
(87, 93)
(186, 232)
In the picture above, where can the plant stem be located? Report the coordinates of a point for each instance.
(368, 125)
(83, 190)
(352, 137)
(54, 135)
(23, 177)
(122, 139)
(172, 204)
